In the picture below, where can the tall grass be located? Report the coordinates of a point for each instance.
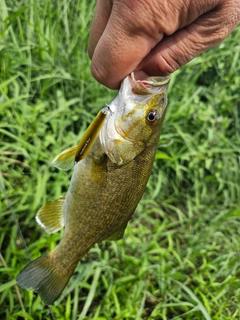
(179, 258)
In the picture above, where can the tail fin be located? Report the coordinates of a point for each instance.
(42, 277)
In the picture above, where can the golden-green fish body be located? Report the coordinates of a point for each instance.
(106, 184)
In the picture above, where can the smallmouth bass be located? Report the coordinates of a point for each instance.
(112, 165)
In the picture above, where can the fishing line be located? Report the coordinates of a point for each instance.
(9, 207)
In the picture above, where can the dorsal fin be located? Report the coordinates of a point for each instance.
(50, 217)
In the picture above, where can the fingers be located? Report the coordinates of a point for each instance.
(178, 49)
(100, 20)
(120, 47)
(128, 35)
(124, 32)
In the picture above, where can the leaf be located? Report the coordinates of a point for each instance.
(7, 285)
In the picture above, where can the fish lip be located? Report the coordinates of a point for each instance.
(153, 80)
(151, 85)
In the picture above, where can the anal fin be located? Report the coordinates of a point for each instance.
(50, 217)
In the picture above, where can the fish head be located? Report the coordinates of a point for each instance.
(135, 118)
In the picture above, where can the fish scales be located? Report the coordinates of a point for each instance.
(106, 185)
(109, 203)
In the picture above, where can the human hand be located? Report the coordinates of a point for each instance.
(155, 36)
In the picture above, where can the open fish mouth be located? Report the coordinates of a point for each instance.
(150, 85)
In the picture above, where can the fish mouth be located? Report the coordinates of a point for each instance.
(150, 85)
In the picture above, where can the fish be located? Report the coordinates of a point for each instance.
(111, 167)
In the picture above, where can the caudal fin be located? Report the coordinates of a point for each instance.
(42, 277)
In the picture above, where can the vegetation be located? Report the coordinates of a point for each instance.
(180, 255)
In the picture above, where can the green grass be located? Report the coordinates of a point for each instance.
(180, 256)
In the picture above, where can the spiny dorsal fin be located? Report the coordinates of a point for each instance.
(50, 216)
(65, 160)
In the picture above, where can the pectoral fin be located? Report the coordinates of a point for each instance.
(50, 217)
(65, 160)
(90, 136)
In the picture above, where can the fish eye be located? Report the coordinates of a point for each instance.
(152, 117)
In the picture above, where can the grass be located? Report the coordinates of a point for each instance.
(179, 258)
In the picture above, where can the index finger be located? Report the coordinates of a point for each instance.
(121, 47)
